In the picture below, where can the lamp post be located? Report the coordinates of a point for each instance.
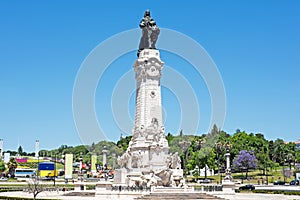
(197, 168)
(283, 170)
(55, 169)
(290, 160)
(219, 151)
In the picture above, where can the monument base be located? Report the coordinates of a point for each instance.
(228, 187)
(120, 176)
(103, 187)
(79, 186)
(185, 189)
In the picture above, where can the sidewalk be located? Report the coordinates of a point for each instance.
(237, 196)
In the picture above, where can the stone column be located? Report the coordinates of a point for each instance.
(80, 177)
(228, 185)
(37, 147)
(227, 170)
(227, 160)
(104, 151)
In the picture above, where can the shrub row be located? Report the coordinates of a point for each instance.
(277, 192)
(10, 189)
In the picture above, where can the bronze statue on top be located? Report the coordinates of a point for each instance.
(150, 32)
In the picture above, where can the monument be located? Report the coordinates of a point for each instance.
(227, 183)
(37, 148)
(147, 161)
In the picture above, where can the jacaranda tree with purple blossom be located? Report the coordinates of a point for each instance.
(245, 160)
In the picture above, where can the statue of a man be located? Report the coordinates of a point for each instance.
(150, 32)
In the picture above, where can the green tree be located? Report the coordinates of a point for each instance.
(271, 150)
(280, 151)
(181, 133)
(223, 140)
(239, 141)
(93, 147)
(169, 138)
(260, 146)
(212, 137)
(2, 166)
(297, 157)
(206, 157)
(124, 142)
(201, 151)
(20, 150)
(12, 153)
(290, 154)
(12, 165)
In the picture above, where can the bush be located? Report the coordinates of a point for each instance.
(277, 192)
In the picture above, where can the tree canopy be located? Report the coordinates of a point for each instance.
(200, 150)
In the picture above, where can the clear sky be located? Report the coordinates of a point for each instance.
(254, 44)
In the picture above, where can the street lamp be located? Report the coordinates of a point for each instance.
(55, 168)
(197, 169)
(200, 143)
(283, 170)
(218, 146)
(290, 160)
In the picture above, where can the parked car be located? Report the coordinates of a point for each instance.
(247, 187)
(294, 182)
(3, 179)
(279, 182)
(204, 181)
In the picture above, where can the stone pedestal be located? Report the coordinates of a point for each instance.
(103, 187)
(79, 186)
(120, 176)
(228, 187)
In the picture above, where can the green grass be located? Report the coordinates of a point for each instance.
(255, 176)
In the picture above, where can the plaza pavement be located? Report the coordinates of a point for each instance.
(237, 196)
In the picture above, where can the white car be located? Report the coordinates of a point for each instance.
(3, 179)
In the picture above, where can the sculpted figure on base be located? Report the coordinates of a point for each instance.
(150, 32)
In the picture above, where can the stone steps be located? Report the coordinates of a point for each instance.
(178, 196)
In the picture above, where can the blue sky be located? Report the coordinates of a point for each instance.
(255, 45)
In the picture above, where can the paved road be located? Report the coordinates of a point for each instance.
(254, 196)
(238, 196)
(278, 187)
